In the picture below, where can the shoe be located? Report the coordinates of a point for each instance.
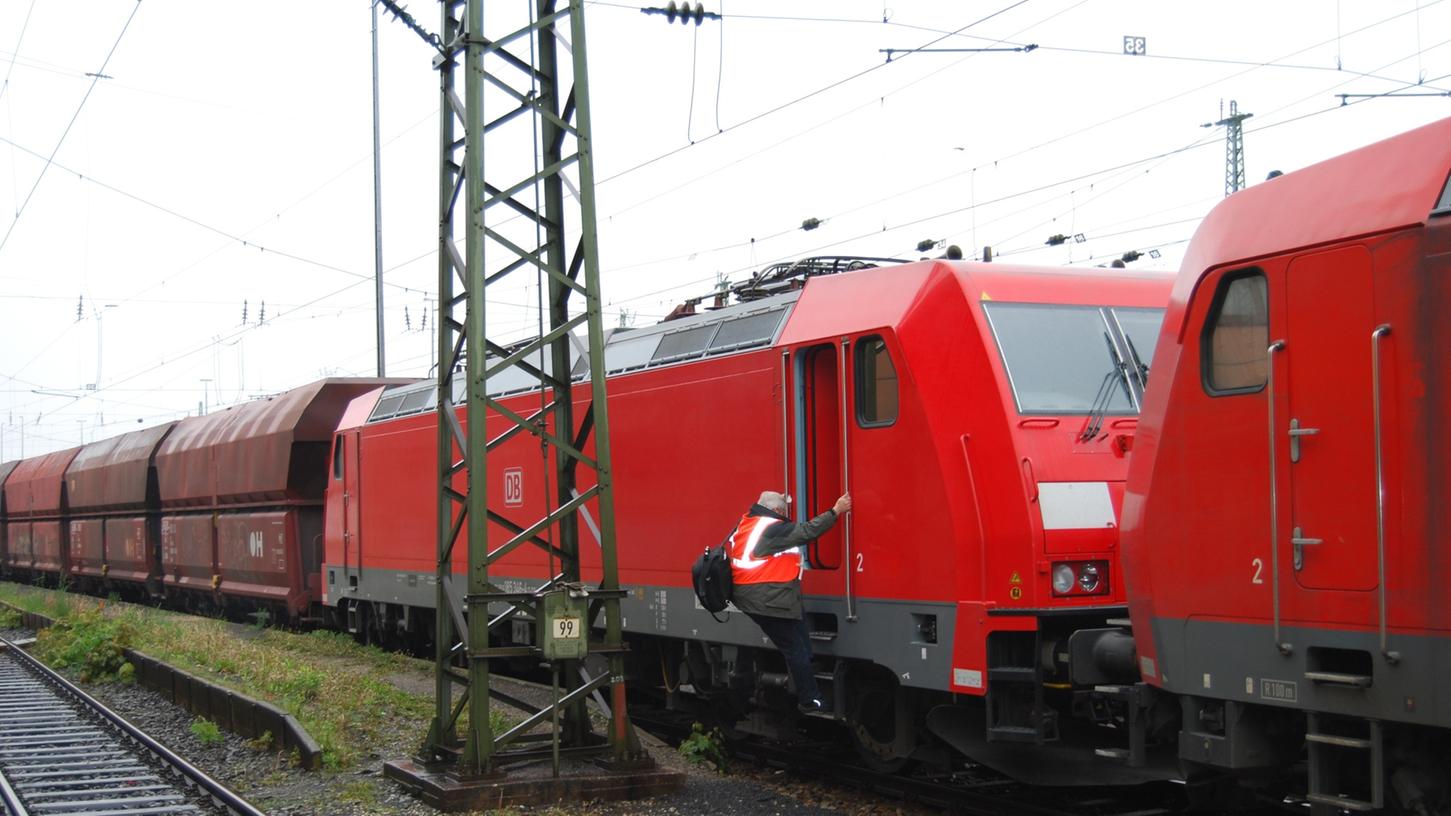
(812, 707)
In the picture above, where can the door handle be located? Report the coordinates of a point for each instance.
(1295, 433)
(1300, 542)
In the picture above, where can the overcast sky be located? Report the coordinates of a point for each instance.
(222, 162)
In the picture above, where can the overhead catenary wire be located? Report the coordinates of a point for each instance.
(973, 206)
(754, 241)
(782, 232)
(237, 239)
(814, 129)
(51, 158)
(945, 178)
(955, 211)
(15, 55)
(797, 100)
(9, 117)
(1112, 119)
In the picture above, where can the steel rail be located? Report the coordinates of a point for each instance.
(978, 792)
(220, 795)
(10, 804)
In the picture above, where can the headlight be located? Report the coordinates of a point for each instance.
(1063, 579)
(1088, 578)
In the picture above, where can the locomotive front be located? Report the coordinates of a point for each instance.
(1042, 417)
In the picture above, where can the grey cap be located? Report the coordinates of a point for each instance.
(775, 502)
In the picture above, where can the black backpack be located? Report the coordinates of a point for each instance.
(711, 574)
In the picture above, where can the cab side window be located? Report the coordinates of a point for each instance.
(876, 384)
(1236, 335)
(338, 458)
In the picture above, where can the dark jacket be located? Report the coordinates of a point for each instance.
(779, 600)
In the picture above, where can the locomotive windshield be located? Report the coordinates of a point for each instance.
(1071, 359)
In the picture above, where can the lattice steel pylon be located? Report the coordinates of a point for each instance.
(1233, 147)
(515, 220)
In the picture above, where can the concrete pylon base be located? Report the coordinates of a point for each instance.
(531, 783)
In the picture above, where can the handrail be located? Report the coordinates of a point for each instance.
(846, 475)
(785, 424)
(1380, 489)
(1285, 648)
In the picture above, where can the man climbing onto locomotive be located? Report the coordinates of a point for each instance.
(765, 551)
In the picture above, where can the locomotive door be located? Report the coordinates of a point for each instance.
(1330, 317)
(352, 522)
(818, 461)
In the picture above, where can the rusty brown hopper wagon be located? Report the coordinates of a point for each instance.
(35, 503)
(241, 495)
(114, 525)
(5, 469)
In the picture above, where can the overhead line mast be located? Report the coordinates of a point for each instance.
(538, 114)
(1233, 147)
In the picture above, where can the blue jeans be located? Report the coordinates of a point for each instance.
(794, 642)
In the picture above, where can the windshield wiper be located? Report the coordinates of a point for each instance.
(1096, 413)
(1140, 367)
(1094, 423)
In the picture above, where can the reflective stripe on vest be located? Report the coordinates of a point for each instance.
(746, 568)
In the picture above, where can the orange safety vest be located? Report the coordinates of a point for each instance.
(781, 568)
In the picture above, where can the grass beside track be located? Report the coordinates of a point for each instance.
(340, 691)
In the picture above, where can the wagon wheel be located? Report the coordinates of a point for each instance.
(881, 730)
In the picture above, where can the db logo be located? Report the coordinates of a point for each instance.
(513, 487)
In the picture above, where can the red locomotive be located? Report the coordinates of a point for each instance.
(980, 414)
(1288, 482)
(1276, 599)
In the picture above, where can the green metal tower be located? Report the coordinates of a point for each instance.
(1233, 147)
(530, 119)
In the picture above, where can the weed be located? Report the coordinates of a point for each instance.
(362, 792)
(263, 742)
(297, 685)
(260, 619)
(9, 618)
(89, 643)
(60, 605)
(127, 673)
(703, 747)
(32, 602)
(207, 731)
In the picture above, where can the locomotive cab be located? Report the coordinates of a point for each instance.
(1042, 637)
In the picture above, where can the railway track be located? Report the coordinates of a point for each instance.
(821, 754)
(61, 752)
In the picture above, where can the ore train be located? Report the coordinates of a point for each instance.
(1052, 569)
